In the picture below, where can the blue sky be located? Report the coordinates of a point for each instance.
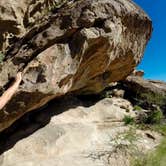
(154, 61)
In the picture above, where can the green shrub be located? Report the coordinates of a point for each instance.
(152, 98)
(106, 94)
(128, 120)
(137, 108)
(154, 117)
(160, 128)
(131, 135)
(53, 5)
(156, 158)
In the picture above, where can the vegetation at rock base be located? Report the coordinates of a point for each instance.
(151, 117)
(151, 99)
(130, 135)
(128, 120)
(106, 94)
(155, 117)
(137, 108)
(156, 158)
(152, 120)
(161, 128)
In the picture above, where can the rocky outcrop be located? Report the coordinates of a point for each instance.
(139, 73)
(147, 93)
(78, 48)
(91, 134)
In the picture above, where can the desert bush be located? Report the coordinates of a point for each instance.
(160, 128)
(55, 4)
(106, 94)
(154, 117)
(150, 117)
(137, 108)
(156, 158)
(131, 135)
(128, 120)
(152, 99)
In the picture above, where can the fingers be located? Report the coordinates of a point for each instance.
(19, 77)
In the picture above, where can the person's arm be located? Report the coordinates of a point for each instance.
(7, 95)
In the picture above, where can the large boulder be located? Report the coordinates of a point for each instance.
(80, 47)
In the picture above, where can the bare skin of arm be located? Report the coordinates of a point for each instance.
(7, 95)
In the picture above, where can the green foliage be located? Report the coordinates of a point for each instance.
(55, 4)
(154, 117)
(106, 94)
(128, 120)
(2, 56)
(160, 128)
(137, 108)
(156, 158)
(130, 135)
(152, 98)
(150, 117)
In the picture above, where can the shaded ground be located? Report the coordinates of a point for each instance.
(76, 132)
(37, 119)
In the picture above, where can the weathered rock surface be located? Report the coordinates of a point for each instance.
(84, 134)
(147, 93)
(18, 17)
(11, 20)
(80, 48)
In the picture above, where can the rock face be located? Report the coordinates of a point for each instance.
(79, 48)
(11, 19)
(84, 134)
(147, 92)
(18, 17)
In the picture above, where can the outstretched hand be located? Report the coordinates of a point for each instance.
(18, 77)
(7, 95)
